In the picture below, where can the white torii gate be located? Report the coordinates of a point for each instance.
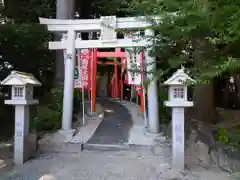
(107, 25)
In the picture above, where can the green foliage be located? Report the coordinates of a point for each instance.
(46, 120)
(222, 136)
(24, 46)
(204, 33)
(120, 8)
(28, 10)
(56, 99)
(49, 113)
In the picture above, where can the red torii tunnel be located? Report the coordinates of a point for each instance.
(116, 83)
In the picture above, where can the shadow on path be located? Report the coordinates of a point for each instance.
(115, 127)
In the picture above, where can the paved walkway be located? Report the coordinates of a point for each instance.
(105, 165)
(116, 125)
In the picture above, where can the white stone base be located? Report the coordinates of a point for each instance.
(147, 133)
(66, 132)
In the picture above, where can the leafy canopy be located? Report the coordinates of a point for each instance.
(201, 32)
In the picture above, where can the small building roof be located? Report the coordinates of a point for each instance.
(179, 78)
(20, 78)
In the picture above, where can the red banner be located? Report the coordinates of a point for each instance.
(139, 88)
(83, 79)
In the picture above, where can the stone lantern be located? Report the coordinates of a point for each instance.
(22, 96)
(177, 100)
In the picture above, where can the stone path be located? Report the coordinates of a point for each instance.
(115, 127)
(105, 165)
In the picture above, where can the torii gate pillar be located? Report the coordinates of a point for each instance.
(152, 94)
(69, 65)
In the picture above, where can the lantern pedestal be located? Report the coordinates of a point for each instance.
(178, 139)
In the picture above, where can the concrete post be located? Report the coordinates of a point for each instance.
(21, 130)
(153, 116)
(69, 82)
(178, 137)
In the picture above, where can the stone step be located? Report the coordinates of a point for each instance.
(62, 148)
(162, 141)
(160, 138)
(115, 147)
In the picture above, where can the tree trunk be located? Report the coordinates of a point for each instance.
(204, 104)
(65, 10)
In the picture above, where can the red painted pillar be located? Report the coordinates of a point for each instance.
(116, 81)
(141, 101)
(113, 86)
(121, 88)
(94, 71)
(142, 106)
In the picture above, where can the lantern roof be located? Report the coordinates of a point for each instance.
(20, 78)
(179, 78)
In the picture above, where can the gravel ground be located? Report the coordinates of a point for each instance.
(106, 165)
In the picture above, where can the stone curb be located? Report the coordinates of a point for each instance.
(78, 147)
(110, 147)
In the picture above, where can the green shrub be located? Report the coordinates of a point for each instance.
(222, 135)
(46, 119)
(49, 114)
(56, 99)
